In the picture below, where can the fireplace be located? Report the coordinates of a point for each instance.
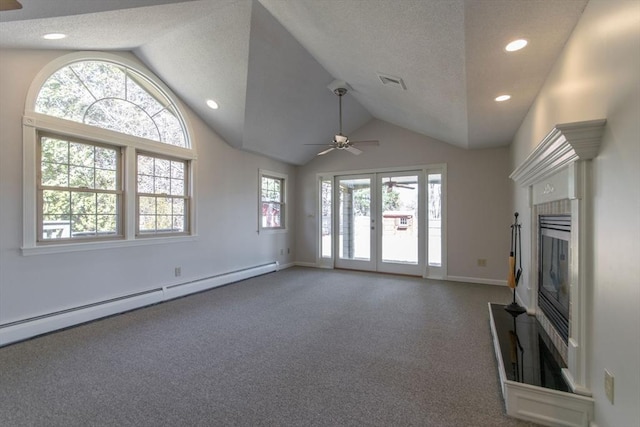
(553, 270)
(558, 289)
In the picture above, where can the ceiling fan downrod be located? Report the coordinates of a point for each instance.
(340, 91)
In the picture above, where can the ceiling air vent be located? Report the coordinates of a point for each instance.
(392, 81)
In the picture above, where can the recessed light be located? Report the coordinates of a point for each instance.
(516, 45)
(502, 98)
(54, 36)
(212, 104)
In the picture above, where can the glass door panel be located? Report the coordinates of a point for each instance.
(326, 209)
(356, 222)
(400, 222)
(434, 193)
(399, 234)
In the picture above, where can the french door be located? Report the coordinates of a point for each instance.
(378, 222)
(387, 221)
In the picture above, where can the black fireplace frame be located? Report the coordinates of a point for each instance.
(557, 227)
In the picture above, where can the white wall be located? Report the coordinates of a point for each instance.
(598, 76)
(478, 195)
(227, 219)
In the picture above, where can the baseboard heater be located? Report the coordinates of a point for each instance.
(28, 328)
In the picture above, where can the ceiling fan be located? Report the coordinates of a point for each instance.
(340, 141)
(9, 5)
(390, 184)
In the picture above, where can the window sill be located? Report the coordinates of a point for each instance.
(88, 246)
(272, 230)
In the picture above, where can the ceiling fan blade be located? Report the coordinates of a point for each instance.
(405, 186)
(369, 142)
(9, 5)
(320, 144)
(353, 150)
(322, 153)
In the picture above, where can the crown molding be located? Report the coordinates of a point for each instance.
(565, 144)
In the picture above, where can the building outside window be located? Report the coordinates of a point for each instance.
(272, 200)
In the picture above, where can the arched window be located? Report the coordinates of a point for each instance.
(91, 120)
(111, 96)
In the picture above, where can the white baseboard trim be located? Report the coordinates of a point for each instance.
(29, 328)
(477, 280)
(285, 266)
(305, 264)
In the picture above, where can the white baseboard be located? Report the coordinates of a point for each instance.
(305, 264)
(29, 328)
(477, 280)
(285, 266)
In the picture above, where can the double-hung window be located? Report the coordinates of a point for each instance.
(79, 189)
(272, 200)
(161, 195)
(107, 155)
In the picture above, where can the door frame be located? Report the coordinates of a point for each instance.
(428, 271)
(355, 263)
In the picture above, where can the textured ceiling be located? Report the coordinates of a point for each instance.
(268, 62)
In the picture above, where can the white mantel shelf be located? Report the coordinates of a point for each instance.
(565, 144)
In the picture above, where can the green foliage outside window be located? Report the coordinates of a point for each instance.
(79, 189)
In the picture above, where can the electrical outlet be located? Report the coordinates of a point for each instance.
(608, 385)
(482, 262)
(177, 271)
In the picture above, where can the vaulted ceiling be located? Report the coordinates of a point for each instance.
(268, 62)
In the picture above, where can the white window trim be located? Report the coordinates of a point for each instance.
(34, 122)
(285, 190)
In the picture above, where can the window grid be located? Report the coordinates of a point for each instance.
(79, 190)
(111, 96)
(161, 196)
(76, 201)
(272, 202)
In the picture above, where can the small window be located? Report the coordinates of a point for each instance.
(79, 190)
(161, 195)
(272, 200)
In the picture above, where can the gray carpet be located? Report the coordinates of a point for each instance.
(300, 347)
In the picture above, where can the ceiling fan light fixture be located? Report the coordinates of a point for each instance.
(341, 139)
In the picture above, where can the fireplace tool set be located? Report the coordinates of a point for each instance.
(515, 256)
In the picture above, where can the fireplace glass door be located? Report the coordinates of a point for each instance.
(553, 283)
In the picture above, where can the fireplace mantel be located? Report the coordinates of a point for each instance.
(565, 144)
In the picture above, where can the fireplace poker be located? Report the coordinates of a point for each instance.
(511, 281)
(514, 277)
